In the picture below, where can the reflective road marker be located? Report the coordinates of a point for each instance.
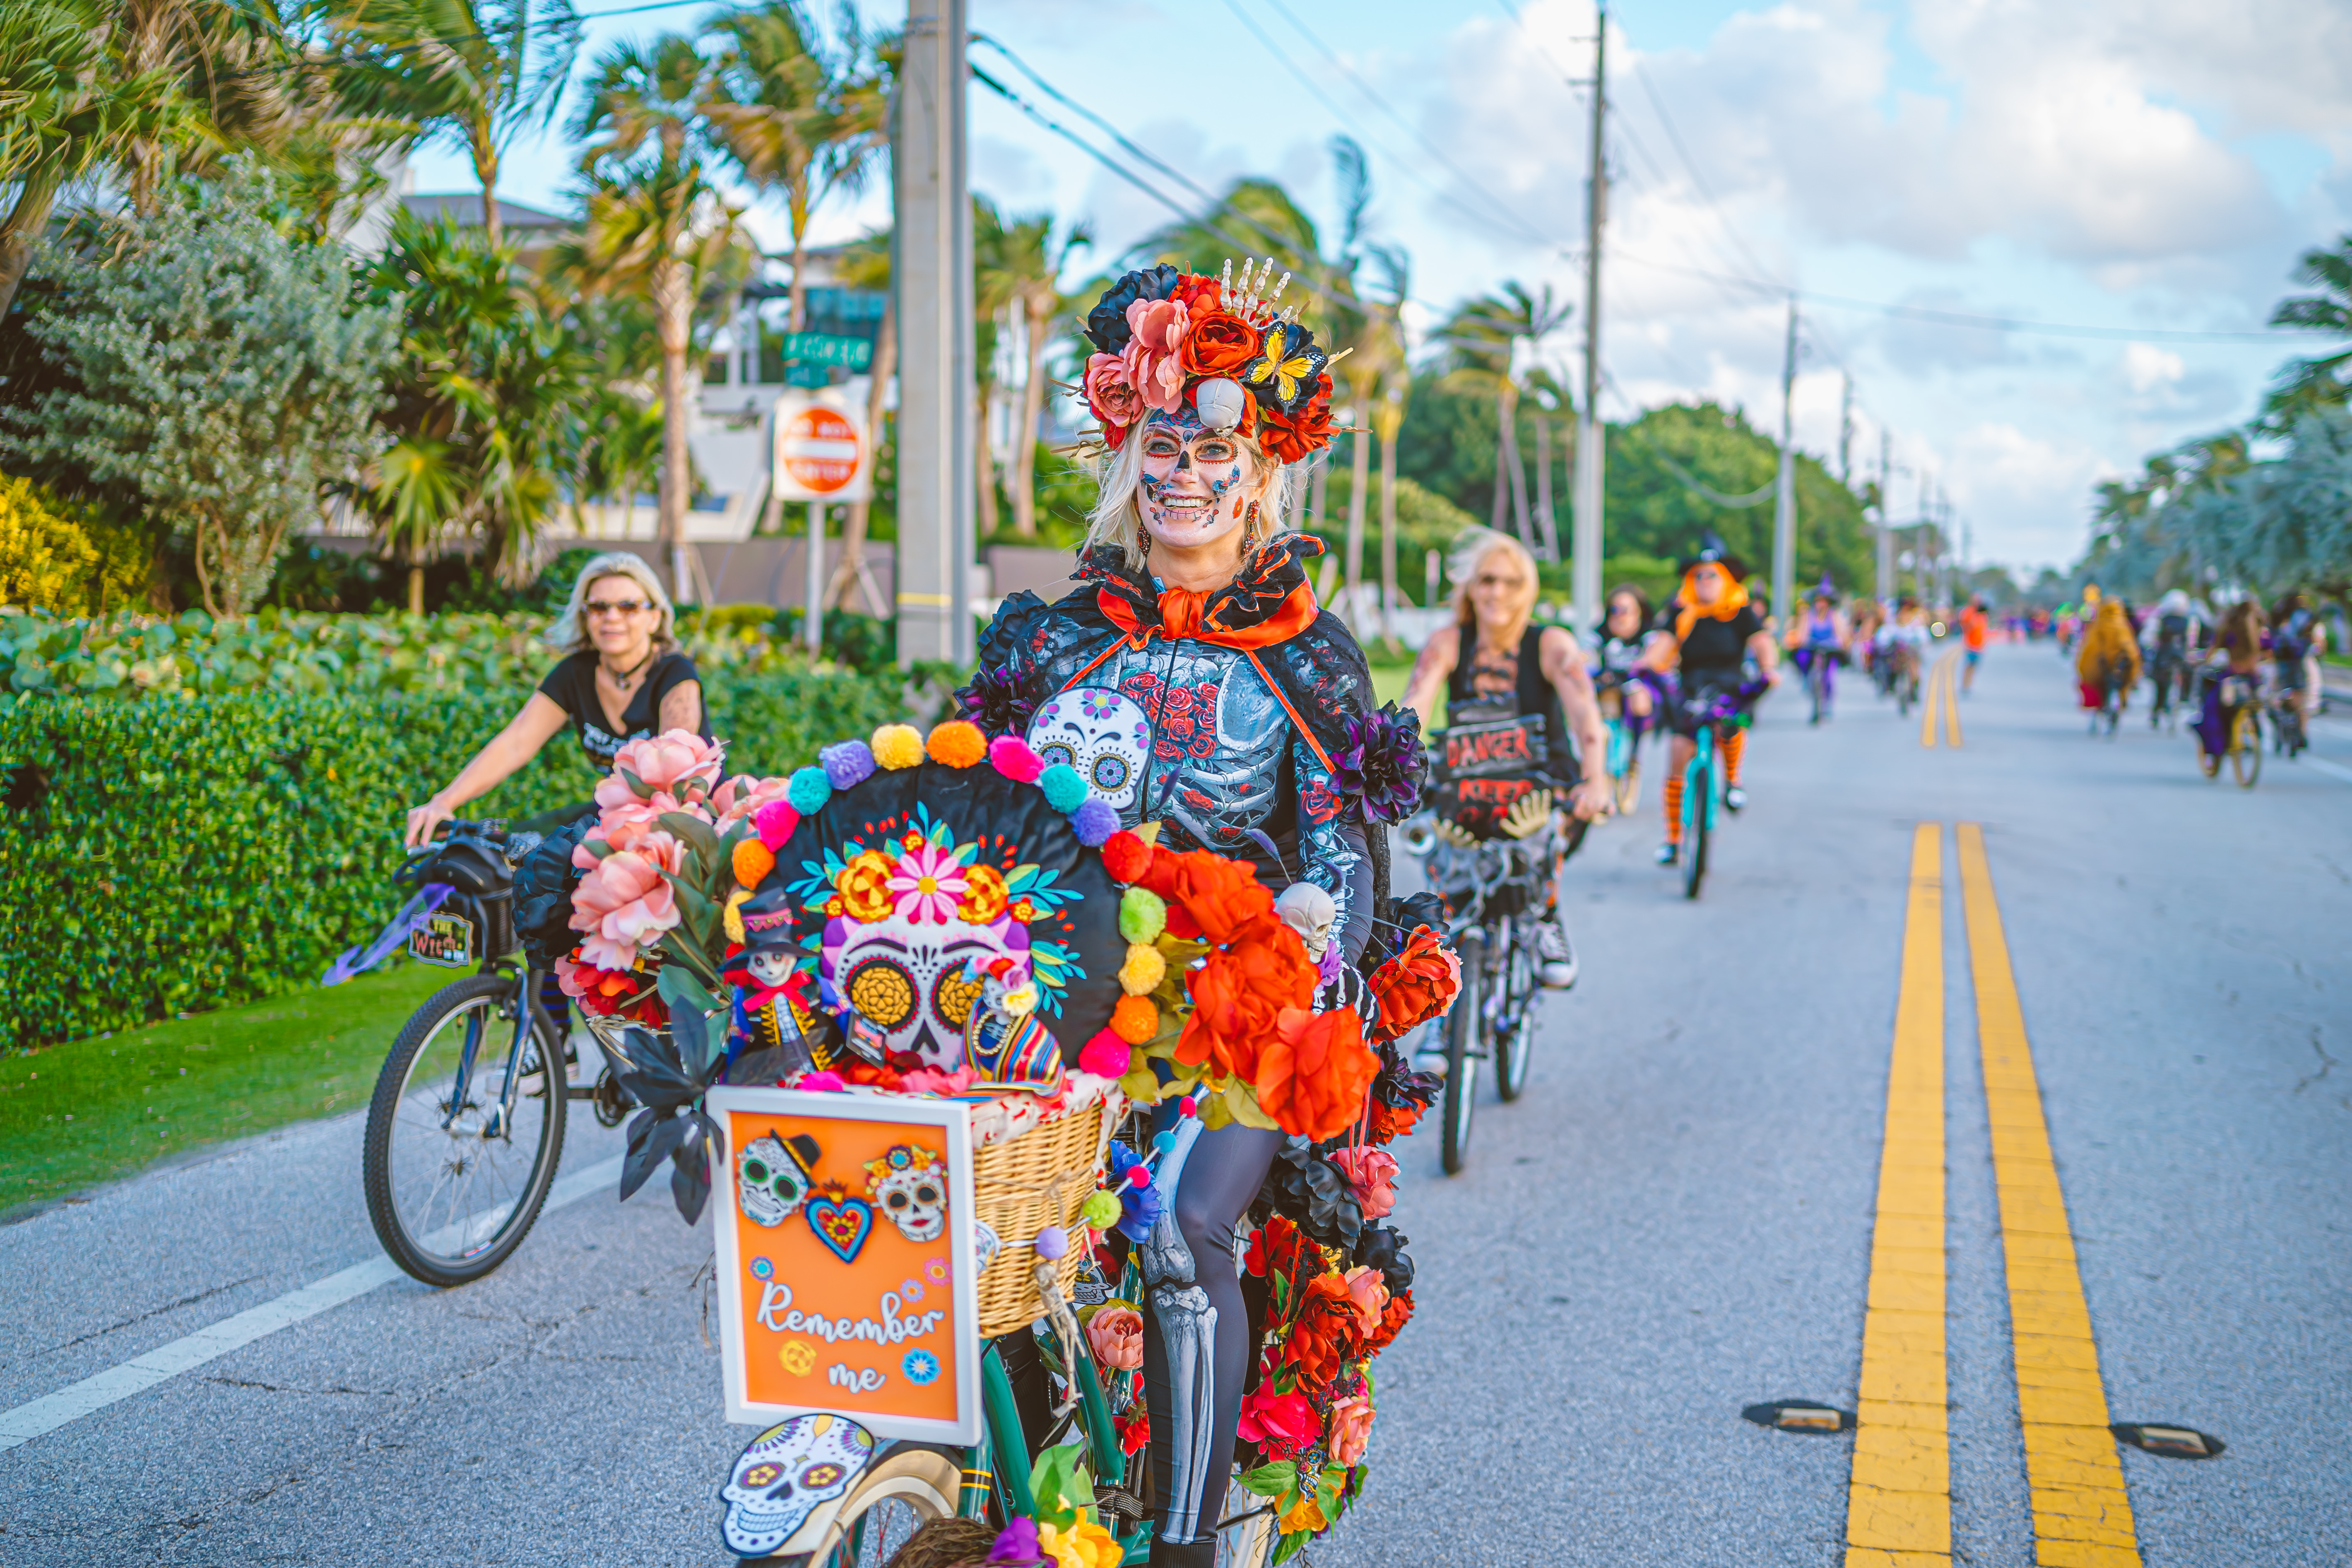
(1899, 1501)
(2081, 1514)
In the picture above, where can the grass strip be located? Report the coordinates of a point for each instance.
(94, 1110)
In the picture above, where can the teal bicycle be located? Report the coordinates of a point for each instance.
(1711, 715)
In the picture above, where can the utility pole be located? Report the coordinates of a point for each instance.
(1845, 431)
(1885, 522)
(1784, 497)
(932, 275)
(1584, 575)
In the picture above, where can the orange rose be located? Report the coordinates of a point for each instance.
(1239, 993)
(1219, 344)
(1321, 1330)
(1312, 1075)
(1221, 895)
(1289, 437)
(984, 895)
(1393, 1318)
(864, 886)
(1199, 294)
(1416, 985)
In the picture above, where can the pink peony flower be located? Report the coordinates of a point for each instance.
(1111, 393)
(1372, 1173)
(626, 902)
(742, 797)
(622, 826)
(1351, 1428)
(934, 1080)
(670, 759)
(1282, 1424)
(928, 882)
(1368, 1292)
(1155, 356)
(1116, 1336)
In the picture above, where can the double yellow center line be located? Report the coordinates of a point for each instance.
(1898, 1505)
(1942, 687)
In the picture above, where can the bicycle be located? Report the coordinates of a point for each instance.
(2166, 669)
(2110, 710)
(1703, 781)
(463, 1133)
(1817, 662)
(2287, 734)
(1624, 748)
(2242, 714)
(1902, 662)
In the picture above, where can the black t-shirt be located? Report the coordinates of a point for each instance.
(571, 686)
(1715, 650)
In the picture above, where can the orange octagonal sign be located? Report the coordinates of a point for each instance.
(820, 453)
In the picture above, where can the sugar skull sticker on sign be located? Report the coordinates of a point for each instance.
(784, 1474)
(909, 1185)
(1101, 733)
(771, 1177)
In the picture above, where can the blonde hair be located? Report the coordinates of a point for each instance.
(1116, 520)
(570, 631)
(1470, 553)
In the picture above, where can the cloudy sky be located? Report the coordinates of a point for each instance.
(2151, 169)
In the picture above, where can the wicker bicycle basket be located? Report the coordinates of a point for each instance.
(1034, 1179)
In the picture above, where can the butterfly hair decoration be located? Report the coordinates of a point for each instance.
(1287, 368)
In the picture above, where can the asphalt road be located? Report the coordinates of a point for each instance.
(1675, 1222)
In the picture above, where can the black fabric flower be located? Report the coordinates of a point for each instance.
(1382, 763)
(542, 893)
(996, 702)
(1394, 921)
(1397, 1085)
(659, 1077)
(1382, 1248)
(1313, 1194)
(1106, 322)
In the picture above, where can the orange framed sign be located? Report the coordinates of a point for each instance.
(844, 1261)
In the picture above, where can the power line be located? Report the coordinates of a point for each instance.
(1690, 166)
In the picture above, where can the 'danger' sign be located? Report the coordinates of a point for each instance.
(845, 1275)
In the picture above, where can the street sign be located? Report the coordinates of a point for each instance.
(821, 450)
(828, 349)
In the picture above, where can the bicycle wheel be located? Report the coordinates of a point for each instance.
(2245, 748)
(1515, 1041)
(903, 1493)
(1464, 1028)
(1813, 679)
(1698, 815)
(1628, 786)
(452, 1189)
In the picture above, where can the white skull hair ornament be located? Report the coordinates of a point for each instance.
(1101, 733)
(1309, 911)
(916, 982)
(772, 1178)
(909, 1185)
(784, 1474)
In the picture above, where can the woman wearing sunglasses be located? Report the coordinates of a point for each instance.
(622, 676)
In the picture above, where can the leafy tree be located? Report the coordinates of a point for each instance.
(1480, 343)
(224, 372)
(474, 72)
(1016, 263)
(2308, 383)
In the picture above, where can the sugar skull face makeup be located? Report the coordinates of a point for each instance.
(1197, 484)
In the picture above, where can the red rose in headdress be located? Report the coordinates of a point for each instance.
(1112, 396)
(1198, 293)
(1291, 437)
(1219, 344)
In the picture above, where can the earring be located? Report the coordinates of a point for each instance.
(1249, 524)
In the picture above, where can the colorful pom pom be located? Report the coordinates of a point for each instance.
(1135, 1019)
(733, 920)
(1163, 1142)
(1142, 914)
(1143, 970)
(1105, 1055)
(897, 745)
(1138, 1174)
(774, 823)
(1011, 755)
(1064, 790)
(1094, 821)
(1126, 857)
(957, 743)
(822, 1082)
(809, 790)
(1051, 1242)
(1101, 1211)
(1189, 1106)
(752, 861)
(848, 764)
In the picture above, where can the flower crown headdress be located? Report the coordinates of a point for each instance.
(1219, 350)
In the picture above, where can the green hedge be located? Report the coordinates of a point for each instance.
(180, 853)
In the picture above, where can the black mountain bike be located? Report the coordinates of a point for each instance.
(465, 1128)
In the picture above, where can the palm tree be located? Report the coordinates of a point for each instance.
(656, 224)
(473, 71)
(1482, 338)
(2311, 383)
(1029, 258)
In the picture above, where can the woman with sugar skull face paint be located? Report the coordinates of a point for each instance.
(1195, 682)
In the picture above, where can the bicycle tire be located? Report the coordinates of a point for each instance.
(416, 1252)
(2245, 748)
(898, 1495)
(1697, 801)
(1514, 1055)
(1464, 1026)
(1629, 788)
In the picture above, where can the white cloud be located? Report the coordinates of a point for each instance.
(2147, 367)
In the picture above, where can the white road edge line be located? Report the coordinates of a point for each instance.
(142, 1372)
(2324, 767)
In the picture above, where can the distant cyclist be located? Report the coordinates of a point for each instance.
(1973, 622)
(2173, 640)
(1618, 643)
(1711, 631)
(1819, 640)
(2109, 658)
(2298, 638)
(2239, 644)
(1903, 646)
(1494, 662)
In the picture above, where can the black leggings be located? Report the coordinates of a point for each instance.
(1221, 1178)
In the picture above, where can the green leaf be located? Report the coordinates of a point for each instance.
(1272, 1479)
(1063, 1485)
(691, 831)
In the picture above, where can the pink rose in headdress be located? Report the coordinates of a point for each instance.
(670, 761)
(1155, 354)
(625, 901)
(1112, 396)
(1371, 1174)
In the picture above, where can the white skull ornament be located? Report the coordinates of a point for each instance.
(784, 1473)
(1101, 733)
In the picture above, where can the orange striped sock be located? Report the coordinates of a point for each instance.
(1673, 808)
(1733, 744)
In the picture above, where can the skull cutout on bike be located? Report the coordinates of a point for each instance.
(1101, 734)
